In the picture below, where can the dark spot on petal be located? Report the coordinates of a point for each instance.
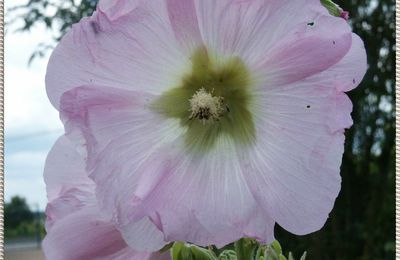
(334, 42)
(308, 106)
(95, 27)
(354, 81)
(311, 24)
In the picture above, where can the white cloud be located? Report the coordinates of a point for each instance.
(26, 104)
(34, 191)
(24, 176)
(27, 114)
(30, 160)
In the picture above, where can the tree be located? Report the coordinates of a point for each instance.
(16, 212)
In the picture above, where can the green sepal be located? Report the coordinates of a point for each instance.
(270, 253)
(199, 253)
(332, 8)
(166, 248)
(261, 252)
(246, 248)
(303, 257)
(182, 251)
(228, 255)
(277, 247)
(179, 250)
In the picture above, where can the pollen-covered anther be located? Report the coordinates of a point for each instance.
(206, 107)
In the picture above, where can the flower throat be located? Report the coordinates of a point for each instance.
(212, 102)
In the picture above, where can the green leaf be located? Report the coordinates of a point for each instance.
(290, 256)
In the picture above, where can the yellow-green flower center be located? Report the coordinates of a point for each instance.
(212, 101)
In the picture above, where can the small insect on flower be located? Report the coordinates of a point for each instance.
(212, 119)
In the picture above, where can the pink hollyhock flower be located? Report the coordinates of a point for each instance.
(75, 226)
(214, 119)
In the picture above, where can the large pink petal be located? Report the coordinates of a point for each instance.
(183, 17)
(120, 131)
(115, 9)
(260, 226)
(60, 178)
(83, 235)
(349, 71)
(74, 193)
(293, 169)
(68, 202)
(307, 50)
(203, 199)
(142, 235)
(138, 51)
(249, 29)
(69, 189)
(181, 14)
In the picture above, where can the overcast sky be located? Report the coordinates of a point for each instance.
(31, 123)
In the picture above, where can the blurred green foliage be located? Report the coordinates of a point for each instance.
(20, 221)
(362, 224)
(16, 211)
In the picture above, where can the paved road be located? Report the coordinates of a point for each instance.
(26, 254)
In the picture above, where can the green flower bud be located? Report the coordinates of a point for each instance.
(246, 248)
(277, 247)
(228, 255)
(335, 9)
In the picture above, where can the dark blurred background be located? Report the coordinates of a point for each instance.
(362, 224)
(22, 223)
